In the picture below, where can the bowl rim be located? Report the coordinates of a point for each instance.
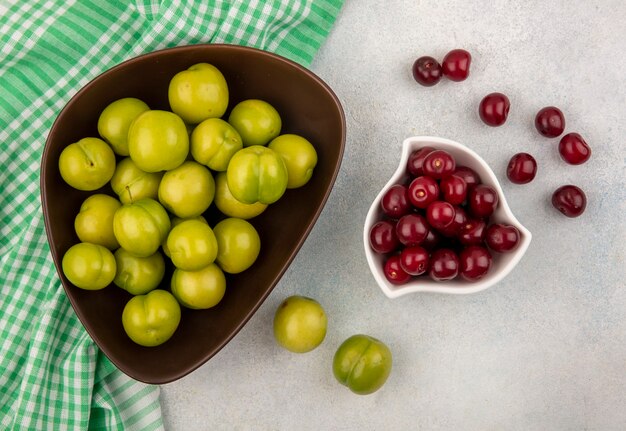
(172, 375)
(429, 286)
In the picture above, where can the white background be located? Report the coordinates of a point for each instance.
(543, 349)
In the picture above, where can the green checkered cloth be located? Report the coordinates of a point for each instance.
(52, 375)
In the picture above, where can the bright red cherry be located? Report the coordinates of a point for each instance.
(469, 175)
(414, 260)
(444, 265)
(439, 164)
(422, 191)
(383, 238)
(573, 149)
(502, 238)
(472, 232)
(416, 160)
(394, 272)
(569, 200)
(427, 71)
(482, 200)
(522, 168)
(456, 65)
(494, 109)
(474, 262)
(460, 218)
(550, 122)
(454, 189)
(395, 202)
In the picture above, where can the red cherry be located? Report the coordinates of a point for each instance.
(444, 265)
(427, 71)
(474, 262)
(550, 122)
(502, 238)
(414, 260)
(482, 201)
(460, 218)
(494, 109)
(411, 229)
(432, 240)
(456, 65)
(573, 149)
(569, 200)
(422, 191)
(439, 164)
(521, 169)
(394, 272)
(383, 238)
(454, 189)
(440, 214)
(469, 175)
(395, 202)
(472, 232)
(416, 160)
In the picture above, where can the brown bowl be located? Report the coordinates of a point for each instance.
(307, 106)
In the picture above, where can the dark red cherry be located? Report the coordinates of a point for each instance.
(416, 160)
(472, 232)
(422, 191)
(460, 218)
(383, 238)
(573, 149)
(444, 265)
(521, 169)
(440, 214)
(453, 189)
(414, 260)
(482, 201)
(411, 229)
(494, 109)
(394, 272)
(432, 240)
(427, 71)
(439, 164)
(474, 262)
(456, 65)
(395, 202)
(469, 175)
(569, 200)
(550, 122)
(502, 238)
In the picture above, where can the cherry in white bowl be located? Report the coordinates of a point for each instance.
(504, 256)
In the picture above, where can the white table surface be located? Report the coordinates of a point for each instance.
(545, 349)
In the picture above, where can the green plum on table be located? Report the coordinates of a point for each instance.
(362, 363)
(300, 324)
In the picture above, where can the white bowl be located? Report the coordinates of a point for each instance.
(502, 263)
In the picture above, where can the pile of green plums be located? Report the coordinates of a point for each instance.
(166, 168)
(362, 363)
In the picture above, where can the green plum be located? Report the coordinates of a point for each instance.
(238, 245)
(192, 245)
(175, 221)
(257, 174)
(140, 227)
(158, 141)
(198, 93)
(87, 164)
(300, 324)
(231, 207)
(94, 221)
(131, 183)
(151, 319)
(257, 121)
(115, 120)
(362, 363)
(188, 190)
(214, 142)
(89, 266)
(299, 156)
(138, 275)
(199, 289)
